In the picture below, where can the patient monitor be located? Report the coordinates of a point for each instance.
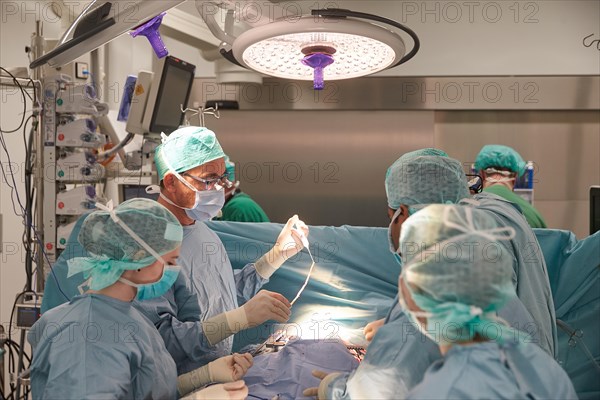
(159, 97)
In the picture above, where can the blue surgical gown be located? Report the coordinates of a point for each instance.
(530, 275)
(396, 360)
(399, 355)
(530, 272)
(491, 371)
(99, 347)
(218, 289)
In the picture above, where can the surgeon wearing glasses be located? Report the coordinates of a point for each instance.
(199, 328)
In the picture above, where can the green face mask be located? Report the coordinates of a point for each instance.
(147, 291)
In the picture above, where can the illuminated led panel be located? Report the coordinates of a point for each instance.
(358, 48)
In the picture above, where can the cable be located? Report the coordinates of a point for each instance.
(340, 13)
(141, 167)
(106, 155)
(13, 345)
(574, 335)
(28, 202)
(23, 93)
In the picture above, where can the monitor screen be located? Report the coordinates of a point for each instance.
(129, 192)
(594, 209)
(173, 91)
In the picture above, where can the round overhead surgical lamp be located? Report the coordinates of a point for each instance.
(331, 44)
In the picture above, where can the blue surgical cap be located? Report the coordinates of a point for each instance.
(416, 179)
(113, 250)
(496, 155)
(187, 148)
(455, 267)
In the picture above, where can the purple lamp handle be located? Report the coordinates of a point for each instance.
(151, 32)
(318, 61)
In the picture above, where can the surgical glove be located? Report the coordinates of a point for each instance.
(262, 307)
(225, 369)
(229, 368)
(289, 243)
(372, 328)
(320, 392)
(228, 391)
(265, 306)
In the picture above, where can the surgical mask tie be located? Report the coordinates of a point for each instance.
(468, 228)
(506, 174)
(393, 250)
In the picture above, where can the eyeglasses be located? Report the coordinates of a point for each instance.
(475, 183)
(212, 183)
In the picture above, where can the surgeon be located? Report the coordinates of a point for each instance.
(414, 181)
(98, 345)
(451, 291)
(191, 170)
(500, 166)
(239, 206)
(418, 179)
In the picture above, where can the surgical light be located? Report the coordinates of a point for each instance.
(331, 44)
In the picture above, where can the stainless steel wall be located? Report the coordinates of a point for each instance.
(328, 167)
(565, 146)
(327, 162)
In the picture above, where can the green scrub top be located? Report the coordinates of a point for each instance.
(533, 217)
(241, 208)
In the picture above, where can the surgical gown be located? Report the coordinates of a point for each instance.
(491, 371)
(531, 275)
(217, 288)
(99, 347)
(395, 362)
(533, 216)
(399, 355)
(242, 208)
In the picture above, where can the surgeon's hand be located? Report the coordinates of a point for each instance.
(229, 368)
(289, 243)
(228, 391)
(265, 306)
(314, 391)
(372, 328)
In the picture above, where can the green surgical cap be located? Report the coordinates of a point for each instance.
(456, 266)
(230, 169)
(187, 148)
(112, 250)
(425, 179)
(496, 155)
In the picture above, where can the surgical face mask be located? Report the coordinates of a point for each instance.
(393, 250)
(414, 316)
(152, 290)
(207, 203)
